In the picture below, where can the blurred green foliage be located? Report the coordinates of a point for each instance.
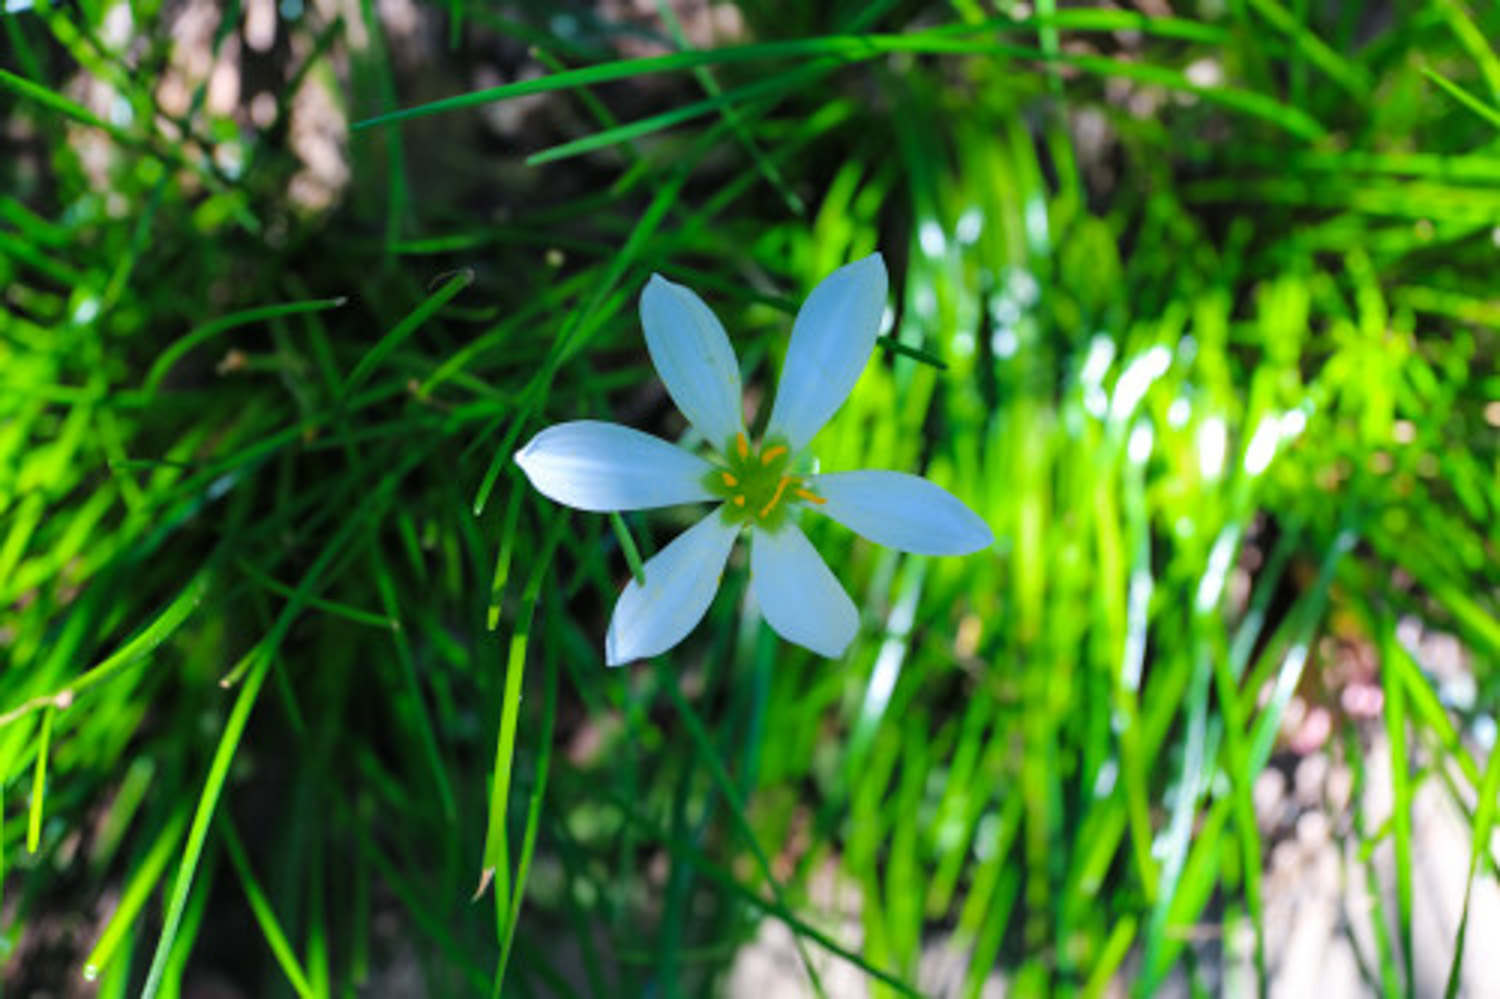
(294, 661)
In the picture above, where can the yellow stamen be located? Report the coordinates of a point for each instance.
(739, 501)
(771, 453)
(741, 445)
(786, 480)
(810, 497)
(730, 480)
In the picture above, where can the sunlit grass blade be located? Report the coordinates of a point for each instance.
(142, 882)
(495, 864)
(534, 809)
(39, 782)
(208, 801)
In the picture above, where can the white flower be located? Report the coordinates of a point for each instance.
(607, 467)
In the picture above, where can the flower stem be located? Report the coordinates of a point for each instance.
(627, 545)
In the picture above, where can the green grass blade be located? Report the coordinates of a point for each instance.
(773, 87)
(1468, 100)
(39, 783)
(261, 908)
(1402, 793)
(534, 809)
(1484, 826)
(213, 327)
(138, 888)
(406, 327)
(208, 801)
(496, 862)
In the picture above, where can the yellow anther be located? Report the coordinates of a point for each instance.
(810, 497)
(786, 480)
(730, 480)
(770, 454)
(739, 501)
(741, 445)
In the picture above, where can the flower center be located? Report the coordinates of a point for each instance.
(755, 484)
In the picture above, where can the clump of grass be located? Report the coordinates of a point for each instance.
(1196, 311)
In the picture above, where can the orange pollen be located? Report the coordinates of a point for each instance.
(770, 454)
(739, 501)
(730, 480)
(810, 497)
(776, 497)
(741, 445)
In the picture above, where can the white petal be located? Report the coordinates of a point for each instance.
(681, 581)
(902, 511)
(831, 343)
(599, 466)
(694, 359)
(799, 596)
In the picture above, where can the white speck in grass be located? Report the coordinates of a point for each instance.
(260, 25)
(1091, 376)
(121, 114)
(892, 652)
(1037, 235)
(1293, 423)
(1137, 606)
(1104, 784)
(1204, 72)
(986, 835)
(86, 310)
(963, 343)
(1095, 401)
(1187, 349)
(1136, 379)
(1022, 286)
(218, 487)
(1179, 413)
(970, 225)
(1494, 233)
(117, 27)
(1483, 731)
(1262, 446)
(930, 236)
(1096, 362)
(883, 678)
(1212, 445)
(1004, 311)
(887, 321)
(1217, 571)
(1139, 448)
(925, 302)
(1458, 691)
(1409, 633)
(1004, 342)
